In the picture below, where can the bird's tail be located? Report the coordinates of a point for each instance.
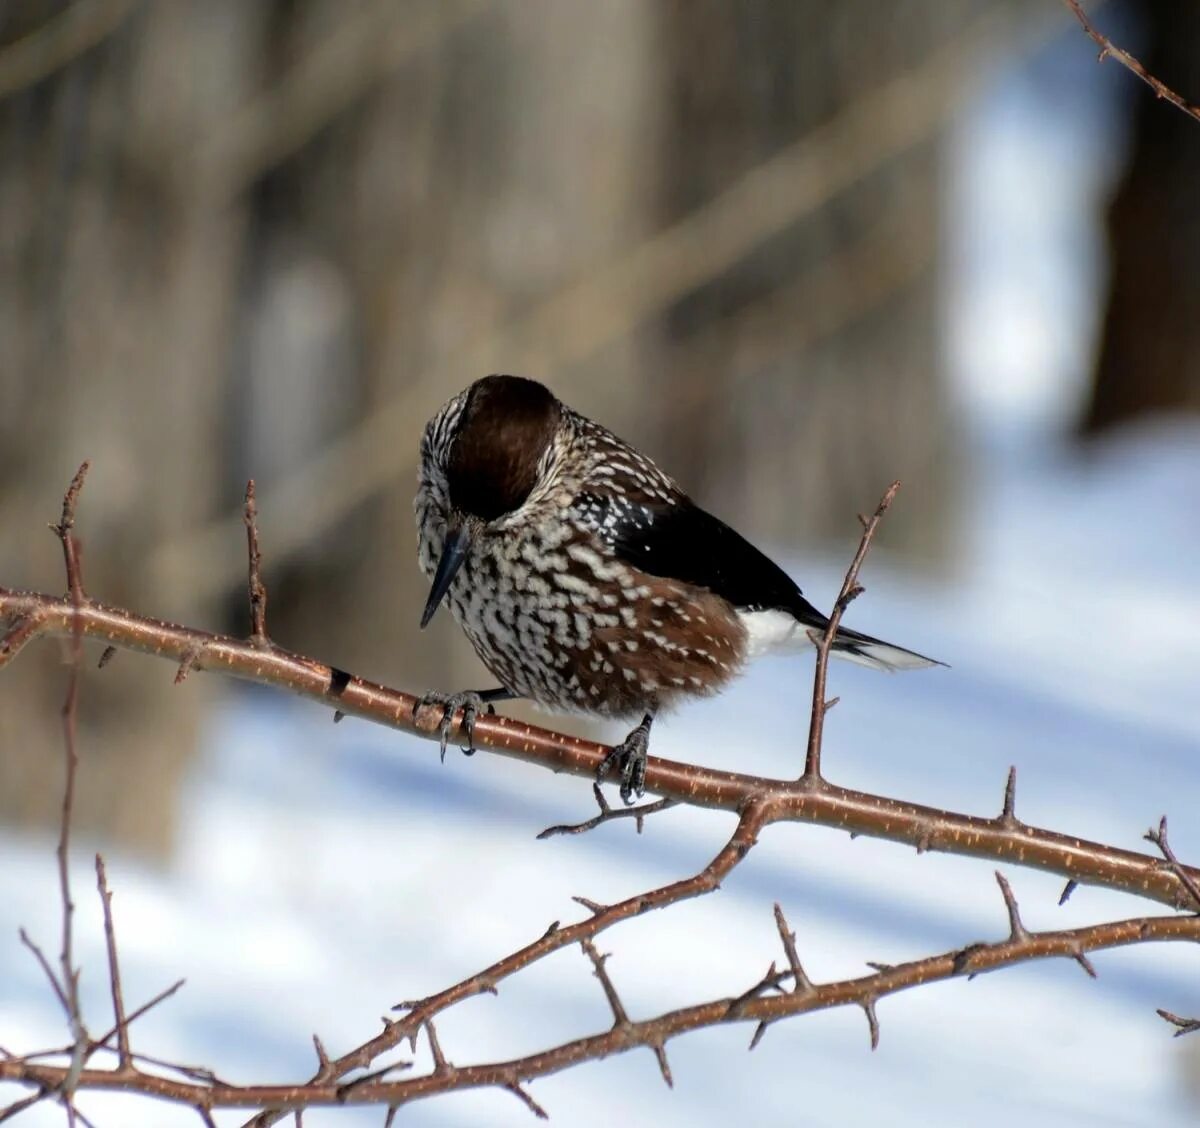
(879, 655)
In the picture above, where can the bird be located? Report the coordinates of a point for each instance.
(584, 576)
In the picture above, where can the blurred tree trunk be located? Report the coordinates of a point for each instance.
(505, 159)
(236, 233)
(798, 384)
(114, 313)
(1150, 349)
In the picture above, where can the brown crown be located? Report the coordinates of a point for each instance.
(506, 427)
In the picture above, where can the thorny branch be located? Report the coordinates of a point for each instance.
(1108, 50)
(758, 802)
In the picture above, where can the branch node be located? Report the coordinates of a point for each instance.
(1188, 883)
(963, 957)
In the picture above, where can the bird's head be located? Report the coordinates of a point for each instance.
(481, 457)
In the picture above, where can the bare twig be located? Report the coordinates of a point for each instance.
(44, 964)
(121, 1025)
(850, 590)
(1183, 1025)
(608, 813)
(137, 1013)
(257, 591)
(70, 721)
(1109, 50)
(801, 982)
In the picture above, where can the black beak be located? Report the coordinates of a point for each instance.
(454, 552)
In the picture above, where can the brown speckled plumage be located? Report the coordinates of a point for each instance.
(585, 578)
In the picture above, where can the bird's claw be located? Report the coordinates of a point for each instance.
(629, 758)
(470, 702)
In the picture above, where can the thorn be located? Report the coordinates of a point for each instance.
(664, 1067)
(322, 1056)
(186, 664)
(831, 703)
(787, 938)
(338, 716)
(1017, 930)
(108, 654)
(598, 795)
(1087, 965)
(872, 1022)
(880, 967)
(1068, 889)
(527, 1100)
(620, 1016)
(759, 1031)
(554, 926)
(390, 1119)
(440, 1065)
(593, 907)
(1008, 811)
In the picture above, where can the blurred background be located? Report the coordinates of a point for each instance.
(793, 250)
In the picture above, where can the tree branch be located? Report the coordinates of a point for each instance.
(757, 801)
(1109, 50)
(858, 812)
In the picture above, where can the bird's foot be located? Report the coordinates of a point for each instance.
(629, 758)
(470, 701)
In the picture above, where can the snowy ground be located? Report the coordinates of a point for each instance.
(329, 872)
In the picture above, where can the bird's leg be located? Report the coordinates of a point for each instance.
(630, 757)
(470, 701)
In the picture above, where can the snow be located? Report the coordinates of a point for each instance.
(328, 872)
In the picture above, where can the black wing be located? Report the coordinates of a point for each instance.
(681, 541)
